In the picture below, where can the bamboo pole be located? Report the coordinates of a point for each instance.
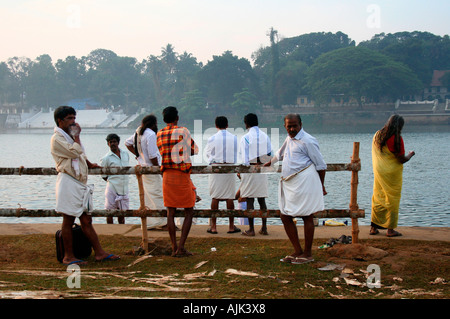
(202, 213)
(354, 193)
(144, 242)
(197, 169)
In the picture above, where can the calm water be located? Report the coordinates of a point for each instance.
(425, 200)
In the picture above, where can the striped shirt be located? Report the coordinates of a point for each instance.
(222, 147)
(255, 146)
(176, 147)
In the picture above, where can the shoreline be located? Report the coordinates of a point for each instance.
(276, 232)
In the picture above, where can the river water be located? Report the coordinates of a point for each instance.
(425, 200)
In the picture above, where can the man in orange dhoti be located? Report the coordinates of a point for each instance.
(176, 146)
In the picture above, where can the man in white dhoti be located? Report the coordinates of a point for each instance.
(301, 188)
(143, 145)
(222, 149)
(116, 192)
(73, 196)
(255, 149)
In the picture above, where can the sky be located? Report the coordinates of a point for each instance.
(204, 28)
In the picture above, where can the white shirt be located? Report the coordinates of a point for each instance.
(118, 182)
(222, 148)
(148, 146)
(254, 144)
(299, 152)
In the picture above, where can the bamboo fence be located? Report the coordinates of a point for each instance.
(353, 212)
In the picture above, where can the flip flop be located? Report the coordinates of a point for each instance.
(211, 232)
(184, 254)
(394, 234)
(288, 259)
(301, 260)
(76, 262)
(246, 233)
(110, 257)
(236, 230)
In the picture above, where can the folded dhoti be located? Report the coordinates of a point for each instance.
(72, 196)
(114, 200)
(254, 185)
(301, 194)
(178, 189)
(222, 186)
(153, 197)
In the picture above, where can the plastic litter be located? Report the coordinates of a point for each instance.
(333, 222)
(332, 241)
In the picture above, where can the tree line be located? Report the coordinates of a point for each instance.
(319, 65)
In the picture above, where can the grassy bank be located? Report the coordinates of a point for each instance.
(237, 269)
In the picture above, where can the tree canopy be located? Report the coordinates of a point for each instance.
(320, 65)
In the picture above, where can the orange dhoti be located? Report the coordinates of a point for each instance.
(178, 189)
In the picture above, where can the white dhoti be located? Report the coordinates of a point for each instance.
(114, 200)
(153, 198)
(301, 194)
(73, 198)
(254, 185)
(222, 186)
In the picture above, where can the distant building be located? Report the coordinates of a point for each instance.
(84, 104)
(437, 90)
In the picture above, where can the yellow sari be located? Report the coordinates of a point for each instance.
(387, 187)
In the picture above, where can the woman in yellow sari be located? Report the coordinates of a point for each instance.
(388, 156)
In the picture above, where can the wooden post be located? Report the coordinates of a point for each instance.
(144, 243)
(354, 193)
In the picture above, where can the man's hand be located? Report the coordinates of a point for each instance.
(92, 165)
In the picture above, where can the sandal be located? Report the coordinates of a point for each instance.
(247, 233)
(302, 260)
(394, 234)
(288, 259)
(235, 230)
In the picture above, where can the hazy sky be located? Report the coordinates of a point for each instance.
(139, 28)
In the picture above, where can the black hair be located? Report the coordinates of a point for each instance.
(113, 136)
(62, 111)
(170, 114)
(221, 122)
(147, 122)
(251, 119)
(394, 127)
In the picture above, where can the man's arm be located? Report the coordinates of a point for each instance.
(322, 180)
(131, 149)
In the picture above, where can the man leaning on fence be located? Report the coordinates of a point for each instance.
(255, 149)
(73, 195)
(301, 188)
(222, 149)
(176, 147)
(116, 191)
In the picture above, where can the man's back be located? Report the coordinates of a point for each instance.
(255, 146)
(222, 148)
